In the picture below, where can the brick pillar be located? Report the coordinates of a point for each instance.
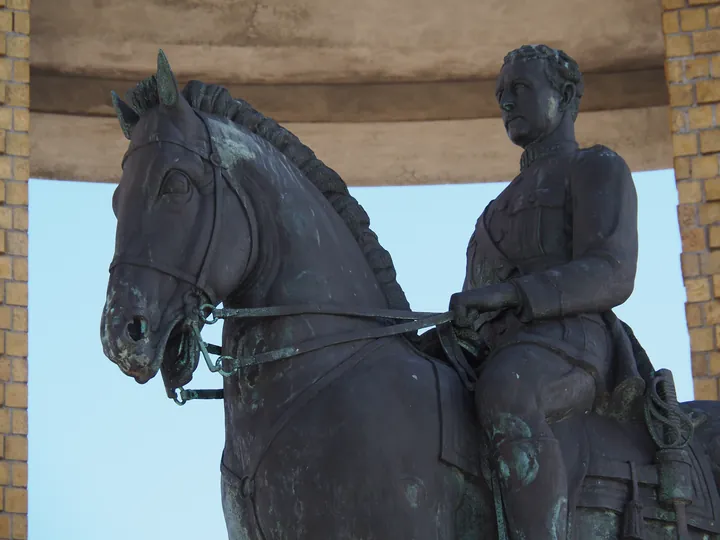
(692, 69)
(14, 175)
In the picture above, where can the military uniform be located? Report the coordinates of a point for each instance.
(564, 233)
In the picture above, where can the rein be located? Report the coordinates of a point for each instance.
(209, 315)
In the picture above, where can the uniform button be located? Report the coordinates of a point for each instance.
(215, 159)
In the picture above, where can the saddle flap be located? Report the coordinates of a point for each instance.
(608, 483)
(572, 435)
(459, 432)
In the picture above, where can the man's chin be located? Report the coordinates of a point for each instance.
(520, 138)
(517, 135)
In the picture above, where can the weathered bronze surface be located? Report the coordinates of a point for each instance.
(341, 422)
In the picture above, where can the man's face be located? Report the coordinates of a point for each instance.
(530, 105)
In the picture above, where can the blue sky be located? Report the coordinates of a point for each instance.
(115, 460)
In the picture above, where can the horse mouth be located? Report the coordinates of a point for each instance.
(176, 343)
(142, 365)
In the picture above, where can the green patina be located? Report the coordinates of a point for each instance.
(602, 524)
(231, 143)
(504, 470)
(474, 517)
(236, 515)
(525, 462)
(558, 519)
(411, 493)
(510, 426)
(167, 87)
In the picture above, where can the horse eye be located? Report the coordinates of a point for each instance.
(175, 183)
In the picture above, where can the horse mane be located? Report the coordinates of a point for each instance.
(216, 100)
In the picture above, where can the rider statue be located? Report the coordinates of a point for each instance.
(548, 261)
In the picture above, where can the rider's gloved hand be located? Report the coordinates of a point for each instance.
(484, 299)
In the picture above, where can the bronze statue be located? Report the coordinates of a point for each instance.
(549, 257)
(342, 422)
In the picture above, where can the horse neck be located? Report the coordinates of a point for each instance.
(309, 256)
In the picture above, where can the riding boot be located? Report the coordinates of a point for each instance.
(533, 483)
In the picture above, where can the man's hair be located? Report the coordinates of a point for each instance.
(560, 69)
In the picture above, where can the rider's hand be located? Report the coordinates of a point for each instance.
(464, 315)
(490, 298)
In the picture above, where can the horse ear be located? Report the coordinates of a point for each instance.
(127, 117)
(167, 85)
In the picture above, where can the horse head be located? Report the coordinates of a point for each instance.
(177, 214)
(219, 204)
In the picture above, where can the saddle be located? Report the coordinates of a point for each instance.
(621, 467)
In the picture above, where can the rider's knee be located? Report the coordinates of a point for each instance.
(503, 389)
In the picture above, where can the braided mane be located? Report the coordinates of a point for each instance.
(216, 100)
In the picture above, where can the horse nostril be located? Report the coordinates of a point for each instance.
(137, 329)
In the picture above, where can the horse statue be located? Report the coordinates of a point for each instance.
(338, 424)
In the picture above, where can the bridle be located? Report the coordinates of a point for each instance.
(198, 313)
(205, 151)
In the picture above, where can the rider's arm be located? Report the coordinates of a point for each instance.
(601, 274)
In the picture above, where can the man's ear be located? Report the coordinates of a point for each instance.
(567, 96)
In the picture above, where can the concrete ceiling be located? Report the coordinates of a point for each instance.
(406, 84)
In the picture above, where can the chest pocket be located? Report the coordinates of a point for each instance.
(542, 198)
(554, 227)
(532, 225)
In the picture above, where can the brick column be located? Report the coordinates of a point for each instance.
(692, 69)
(14, 175)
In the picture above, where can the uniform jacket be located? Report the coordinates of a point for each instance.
(564, 233)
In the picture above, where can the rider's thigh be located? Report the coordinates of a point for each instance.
(528, 379)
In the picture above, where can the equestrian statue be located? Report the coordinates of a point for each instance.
(527, 411)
